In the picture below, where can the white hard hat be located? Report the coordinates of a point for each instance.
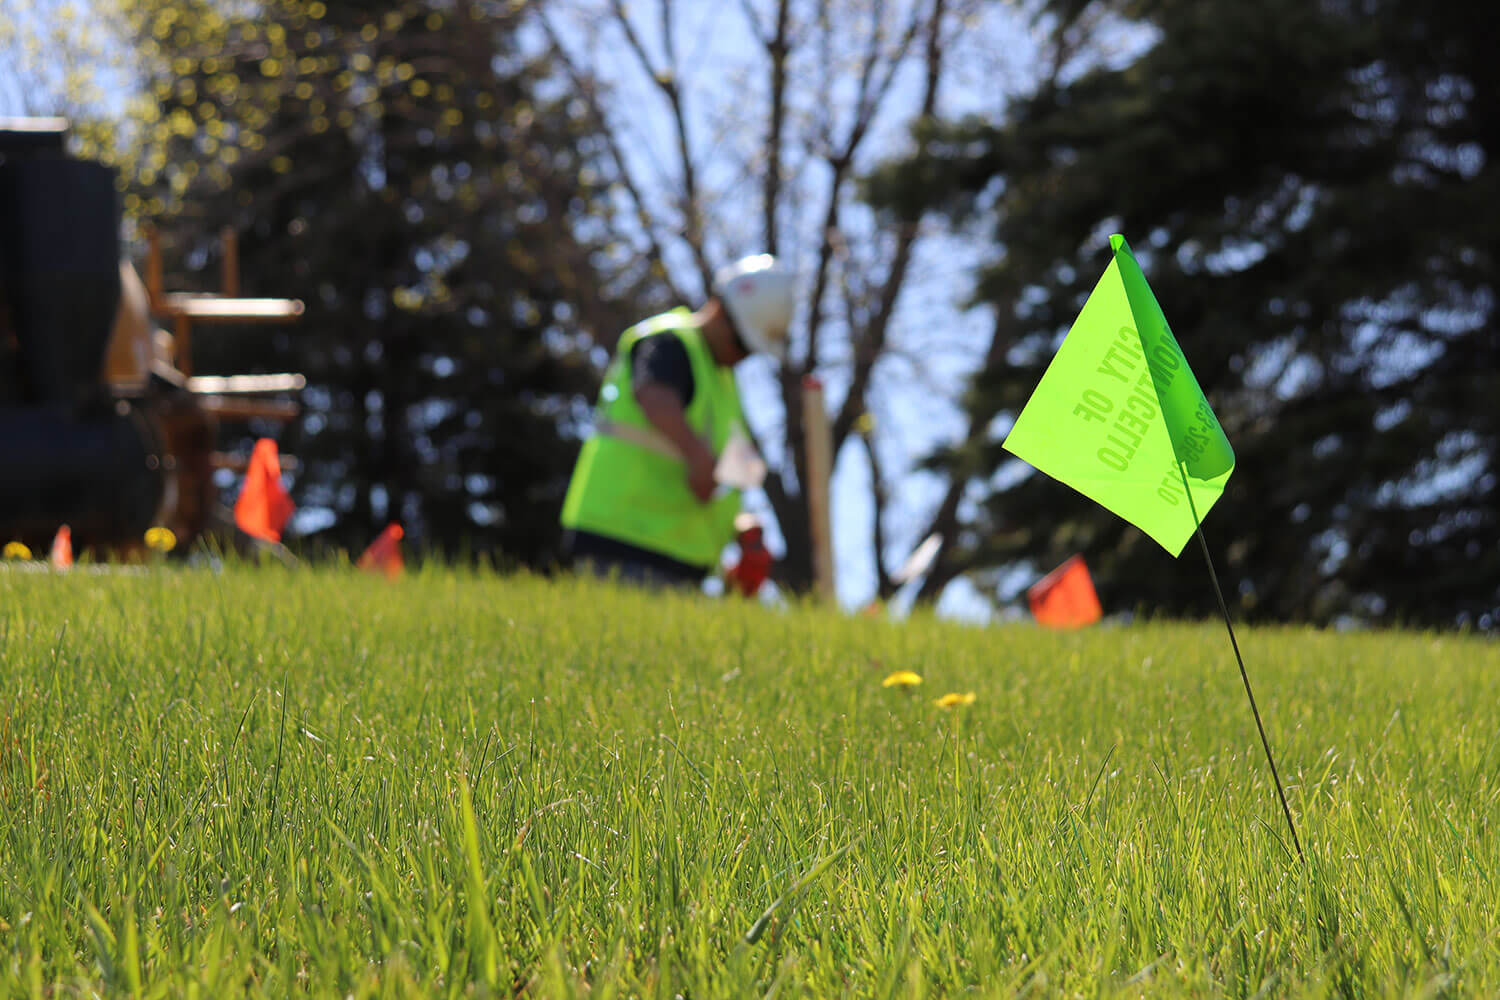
(757, 291)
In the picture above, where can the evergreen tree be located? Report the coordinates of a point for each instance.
(1310, 187)
(426, 187)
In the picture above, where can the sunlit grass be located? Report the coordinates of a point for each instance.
(273, 782)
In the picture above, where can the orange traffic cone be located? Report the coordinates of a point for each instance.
(384, 553)
(1065, 597)
(62, 548)
(264, 506)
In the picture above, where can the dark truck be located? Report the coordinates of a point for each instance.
(102, 427)
(72, 451)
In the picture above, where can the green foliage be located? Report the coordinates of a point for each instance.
(425, 184)
(1308, 187)
(265, 783)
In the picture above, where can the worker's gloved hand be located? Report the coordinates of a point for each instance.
(700, 472)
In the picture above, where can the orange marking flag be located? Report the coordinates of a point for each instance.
(62, 549)
(264, 506)
(1065, 597)
(384, 553)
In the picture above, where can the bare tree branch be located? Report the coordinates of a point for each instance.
(753, 19)
(667, 82)
(778, 50)
(870, 343)
(668, 42)
(829, 231)
(879, 494)
(870, 99)
(840, 161)
(866, 72)
(825, 108)
(634, 41)
(585, 87)
(884, 585)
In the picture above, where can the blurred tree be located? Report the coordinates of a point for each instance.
(1310, 187)
(428, 189)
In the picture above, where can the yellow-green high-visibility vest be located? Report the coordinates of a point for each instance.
(629, 484)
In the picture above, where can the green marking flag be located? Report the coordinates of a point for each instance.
(1119, 416)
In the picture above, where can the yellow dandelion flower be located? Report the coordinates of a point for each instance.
(15, 550)
(953, 699)
(902, 678)
(160, 539)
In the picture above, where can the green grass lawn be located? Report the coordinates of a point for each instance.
(268, 782)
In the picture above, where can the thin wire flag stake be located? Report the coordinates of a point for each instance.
(1244, 676)
(1120, 417)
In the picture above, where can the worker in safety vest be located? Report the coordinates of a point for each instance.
(656, 489)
